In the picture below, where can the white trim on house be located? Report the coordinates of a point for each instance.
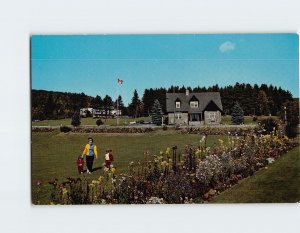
(194, 104)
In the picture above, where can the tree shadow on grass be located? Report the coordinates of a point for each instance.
(96, 168)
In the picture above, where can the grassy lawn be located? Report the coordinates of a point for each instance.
(226, 120)
(54, 154)
(88, 121)
(280, 183)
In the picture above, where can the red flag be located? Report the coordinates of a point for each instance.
(120, 81)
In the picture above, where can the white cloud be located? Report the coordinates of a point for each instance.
(226, 47)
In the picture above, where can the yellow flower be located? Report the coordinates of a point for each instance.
(64, 191)
(113, 170)
(95, 182)
(164, 163)
(168, 150)
(106, 169)
(221, 141)
(161, 152)
(100, 178)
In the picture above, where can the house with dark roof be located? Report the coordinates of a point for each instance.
(194, 108)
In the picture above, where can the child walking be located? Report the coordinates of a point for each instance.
(108, 158)
(80, 164)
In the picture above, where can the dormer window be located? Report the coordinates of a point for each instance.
(177, 103)
(194, 104)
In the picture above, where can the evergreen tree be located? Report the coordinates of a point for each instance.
(97, 102)
(49, 107)
(134, 107)
(75, 120)
(237, 115)
(262, 103)
(148, 99)
(83, 100)
(107, 104)
(156, 113)
(118, 104)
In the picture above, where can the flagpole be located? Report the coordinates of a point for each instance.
(118, 109)
(117, 115)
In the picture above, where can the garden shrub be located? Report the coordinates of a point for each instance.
(292, 117)
(65, 129)
(75, 121)
(99, 122)
(269, 125)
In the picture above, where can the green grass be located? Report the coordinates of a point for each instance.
(280, 183)
(88, 121)
(54, 154)
(226, 120)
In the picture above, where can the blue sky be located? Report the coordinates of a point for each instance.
(93, 63)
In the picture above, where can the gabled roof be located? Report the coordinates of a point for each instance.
(204, 99)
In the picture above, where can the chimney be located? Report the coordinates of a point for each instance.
(187, 92)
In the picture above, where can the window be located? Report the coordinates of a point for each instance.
(194, 104)
(177, 104)
(178, 115)
(212, 115)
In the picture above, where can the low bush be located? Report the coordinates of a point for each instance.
(99, 122)
(269, 125)
(65, 129)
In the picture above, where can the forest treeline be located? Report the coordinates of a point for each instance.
(254, 100)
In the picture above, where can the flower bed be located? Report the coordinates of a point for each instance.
(66, 129)
(169, 177)
(111, 130)
(218, 130)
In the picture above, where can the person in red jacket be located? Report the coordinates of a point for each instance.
(108, 158)
(80, 164)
